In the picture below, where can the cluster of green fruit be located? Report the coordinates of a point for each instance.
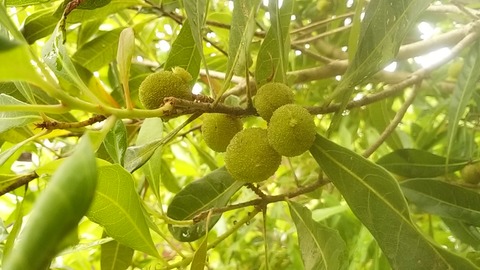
(253, 154)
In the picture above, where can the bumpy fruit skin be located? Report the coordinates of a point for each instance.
(218, 129)
(471, 173)
(162, 84)
(291, 130)
(249, 157)
(270, 97)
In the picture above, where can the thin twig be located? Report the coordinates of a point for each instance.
(394, 123)
(262, 201)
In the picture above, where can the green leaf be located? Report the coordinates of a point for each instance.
(7, 23)
(116, 142)
(5, 155)
(21, 3)
(355, 30)
(384, 27)
(116, 206)
(100, 51)
(324, 213)
(158, 173)
(137, 156)
(57, 212)
(93, 4)
(240, 37)
(19, 54)
(200, 256)
(87, 30)
(115, 256)
(272, 59)
(184, 53)
(212, 190)
(40, 24)
(14, 119)
(149, 139)
(126, 48)
(56, 57)
(414, 163)
(375, 198)
(446, 200)
(195, 10)
(466, 233)
(462, 95)
(83, 15)
(321, 247)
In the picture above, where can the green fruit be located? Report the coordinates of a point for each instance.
(291, 130)
(249, 157)
(162, 84)
(270, 97)
(218, 129)
(471, 173)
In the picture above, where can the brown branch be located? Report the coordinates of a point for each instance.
(182, 106)
(51, 125)
(261, 202)
(20, 181)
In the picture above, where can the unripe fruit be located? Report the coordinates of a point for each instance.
(218, 129)
(162, 84)
(471, 173)
(249, 157)
(270, 97)
(291, 130)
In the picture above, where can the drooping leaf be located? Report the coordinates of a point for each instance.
(98, 52)
(415, 163)
(13, 119)
(444, 199)
(384, 27)
(462, 95)
(39, 25)
(117, 208)
(240, 38)
(200, 257)
(136, 156)
(212, 190)
(116, 142)
(115, 256)
(272, 61)
(375, 198)
(184, 53)
(321, 247)
(57, 212)
(195, 10)
(149, 139)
